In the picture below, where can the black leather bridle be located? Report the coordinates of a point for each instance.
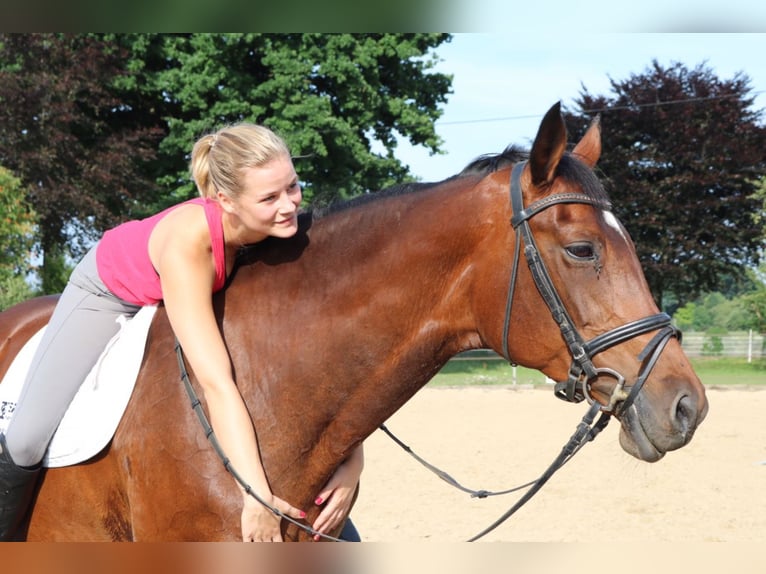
(582, 370)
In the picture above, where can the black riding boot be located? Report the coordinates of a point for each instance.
(17, 485)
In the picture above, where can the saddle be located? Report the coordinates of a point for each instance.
(97, 408)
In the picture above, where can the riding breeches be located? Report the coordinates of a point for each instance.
(83, 322)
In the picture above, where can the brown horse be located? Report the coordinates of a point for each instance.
(332, 331)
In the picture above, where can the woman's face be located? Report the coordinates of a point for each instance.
(268, 204)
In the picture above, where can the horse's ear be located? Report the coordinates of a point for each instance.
(589, 147)
(549, 146)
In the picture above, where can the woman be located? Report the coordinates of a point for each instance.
(249, 191)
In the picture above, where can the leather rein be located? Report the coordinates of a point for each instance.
(582, 370)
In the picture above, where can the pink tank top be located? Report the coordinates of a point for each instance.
(122, 256)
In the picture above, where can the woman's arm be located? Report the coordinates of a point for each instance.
(183, 259)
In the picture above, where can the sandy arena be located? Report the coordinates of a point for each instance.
(495, 438)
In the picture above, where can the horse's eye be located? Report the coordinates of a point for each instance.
(581, 250)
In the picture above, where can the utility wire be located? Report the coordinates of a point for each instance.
(600, 110)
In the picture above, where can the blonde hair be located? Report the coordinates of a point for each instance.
(218, 158)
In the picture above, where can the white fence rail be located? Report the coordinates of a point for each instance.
(739, 344)
(695, 344)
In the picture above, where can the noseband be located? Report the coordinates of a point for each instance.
(581, 371)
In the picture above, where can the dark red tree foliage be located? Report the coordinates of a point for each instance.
(71, 134)
(683, 153)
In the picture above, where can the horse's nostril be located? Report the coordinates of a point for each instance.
(686, 415)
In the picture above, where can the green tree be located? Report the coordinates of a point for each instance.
(339, 100)
(756, 305)
(755, 301)
(99, 126)
(759, 215)
(17, 221)
(684, 317)
(682, 153)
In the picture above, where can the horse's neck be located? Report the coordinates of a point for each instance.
(402, 277)
(406, 260)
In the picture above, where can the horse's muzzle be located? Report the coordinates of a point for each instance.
(647, 434)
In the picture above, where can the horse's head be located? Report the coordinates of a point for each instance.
(610, 343)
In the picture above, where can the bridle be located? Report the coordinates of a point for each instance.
(582, 370)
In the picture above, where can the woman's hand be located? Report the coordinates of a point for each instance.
(338, 494)
(260, 524)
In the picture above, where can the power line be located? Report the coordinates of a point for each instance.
(601, 110)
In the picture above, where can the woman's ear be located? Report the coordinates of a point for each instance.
(225, 202)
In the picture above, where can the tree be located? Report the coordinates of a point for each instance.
(759, 216)
(17, 222)
(99, 126)
(682, 153)
(339, 100)
(67, 133)
(755, 301)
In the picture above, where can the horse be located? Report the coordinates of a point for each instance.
(333, 330)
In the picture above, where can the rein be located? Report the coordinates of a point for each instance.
(581, 371)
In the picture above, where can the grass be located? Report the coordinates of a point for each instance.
(489, 371)
(730, 371)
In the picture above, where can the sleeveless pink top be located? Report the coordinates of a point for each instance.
(122, 256)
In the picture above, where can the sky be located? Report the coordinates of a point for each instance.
(504, 82)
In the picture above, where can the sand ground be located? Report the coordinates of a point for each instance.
(494, 438)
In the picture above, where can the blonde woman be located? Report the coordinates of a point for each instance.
(249, 190)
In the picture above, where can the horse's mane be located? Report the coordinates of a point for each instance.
(568, 168)
(478, 168)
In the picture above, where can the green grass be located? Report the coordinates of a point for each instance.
(487, 371)
(730, 371)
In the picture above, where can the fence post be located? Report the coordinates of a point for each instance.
(750, 347)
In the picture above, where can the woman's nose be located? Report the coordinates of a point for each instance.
(286, 204)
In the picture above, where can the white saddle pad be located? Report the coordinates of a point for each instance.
(95, 412)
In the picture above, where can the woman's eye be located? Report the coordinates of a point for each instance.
(581, 251)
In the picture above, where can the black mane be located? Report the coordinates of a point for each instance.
(568, 168)
(480, 167)
(492, 162)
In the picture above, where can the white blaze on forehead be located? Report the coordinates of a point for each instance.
(612, 222)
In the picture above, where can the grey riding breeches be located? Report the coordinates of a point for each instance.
(83, 322)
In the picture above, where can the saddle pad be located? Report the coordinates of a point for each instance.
(96, 410)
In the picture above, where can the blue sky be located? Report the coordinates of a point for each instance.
(505, 81)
